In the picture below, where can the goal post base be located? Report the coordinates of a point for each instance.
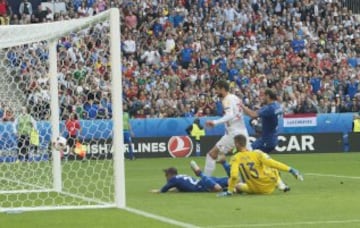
(53, 208)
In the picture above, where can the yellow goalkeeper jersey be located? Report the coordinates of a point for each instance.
(257, 170)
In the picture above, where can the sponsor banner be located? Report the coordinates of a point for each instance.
(354, 142)
(176, 147)
(184, 146)
(300, 120)
(293, 143)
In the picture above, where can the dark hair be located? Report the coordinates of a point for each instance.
(221, 84)
(171, 171)
(240, 139)
(271, 94)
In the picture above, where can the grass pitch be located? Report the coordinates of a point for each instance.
(329, 197)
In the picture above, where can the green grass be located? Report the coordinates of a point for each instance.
(319, 201)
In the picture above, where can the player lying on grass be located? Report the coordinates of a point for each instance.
(259, 173)
(184, 183)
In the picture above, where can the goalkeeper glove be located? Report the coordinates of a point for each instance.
(224, 194)
(296, 174)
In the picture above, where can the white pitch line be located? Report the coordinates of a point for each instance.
(22, 183)
(332, 175)
(289, 223)
(25, 191)
(161, 218)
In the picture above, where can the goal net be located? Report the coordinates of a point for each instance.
(61, 81)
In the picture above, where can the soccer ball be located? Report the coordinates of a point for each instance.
(60, 143)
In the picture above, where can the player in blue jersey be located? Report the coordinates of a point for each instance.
(185, 183)
(269, 115)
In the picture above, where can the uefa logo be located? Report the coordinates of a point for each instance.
(180, 146)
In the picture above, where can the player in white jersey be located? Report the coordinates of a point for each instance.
(234, 124)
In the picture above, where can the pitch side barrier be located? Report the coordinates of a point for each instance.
(331, 133)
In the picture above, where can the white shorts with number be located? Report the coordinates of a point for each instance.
(226, 143)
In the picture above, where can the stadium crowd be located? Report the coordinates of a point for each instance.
(173, 51)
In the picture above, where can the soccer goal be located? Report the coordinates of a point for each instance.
(50, 75)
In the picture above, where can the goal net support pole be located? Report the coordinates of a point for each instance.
(116, 91)
(54, 109)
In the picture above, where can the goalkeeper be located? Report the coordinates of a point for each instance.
(259, 173)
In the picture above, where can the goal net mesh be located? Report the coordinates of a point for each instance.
(85, 113)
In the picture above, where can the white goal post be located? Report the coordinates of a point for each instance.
(47, 179)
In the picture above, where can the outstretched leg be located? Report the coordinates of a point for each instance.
(208, 182)
(210, 161)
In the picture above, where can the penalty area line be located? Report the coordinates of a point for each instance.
(160, 218)
(332, 175)
(289, 223)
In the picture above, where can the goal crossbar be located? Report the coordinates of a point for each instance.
(15, 35)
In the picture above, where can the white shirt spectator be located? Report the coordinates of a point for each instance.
(162, 20)
(72, 54)
(244, 19)
(169, 45)
(230, 14)
(151, 57)
(43, 80)
(45, 95)
(91, 11)
(26, 8)
(236, 26)
(83, 10)
(129, 46)
(252, 45)
(196, 46)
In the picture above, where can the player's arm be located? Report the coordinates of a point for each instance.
(167, 187)
(266, 160)
(159, 190)
(233, 178)
(249, 112)
(228, 115)
(234, 174)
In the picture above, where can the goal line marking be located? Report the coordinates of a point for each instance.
(38, 189)
(161, 218)
(25, 184)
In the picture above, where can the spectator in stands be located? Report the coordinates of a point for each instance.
(91, 109)
(5, 12)
(73, 128)
(26, 10)
(40, 15)
(8, 115)
(173, 47)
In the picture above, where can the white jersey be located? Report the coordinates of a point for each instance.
(233, 115)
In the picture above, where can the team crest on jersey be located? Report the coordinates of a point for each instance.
(180, 146)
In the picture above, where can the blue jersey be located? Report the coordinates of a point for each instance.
(269, 115)
(185, 183)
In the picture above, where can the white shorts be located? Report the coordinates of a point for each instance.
(226, 143)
